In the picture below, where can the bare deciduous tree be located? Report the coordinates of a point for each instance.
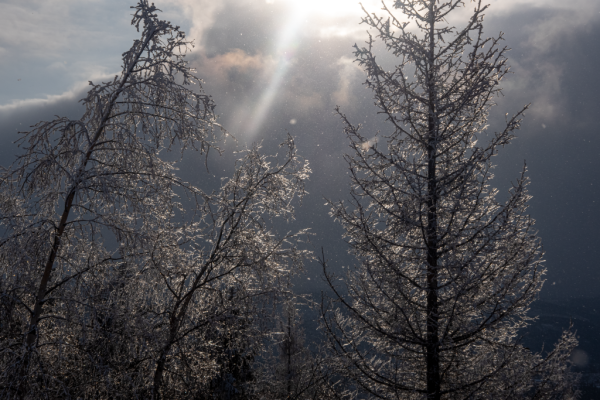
(233, 265)
(115, 274)
(446, 272)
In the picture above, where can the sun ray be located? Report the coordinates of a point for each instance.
(330, 17)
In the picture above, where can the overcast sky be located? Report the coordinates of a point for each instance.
(280, 66)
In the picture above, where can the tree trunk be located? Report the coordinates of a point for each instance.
(289, 357)
(174, 322)
(32, 332)
(158, 373)
(432, 339)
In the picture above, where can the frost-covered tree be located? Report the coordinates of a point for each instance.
(188, 319)
(114, 272)
(218, 289)
(294, 368)
(446, 272)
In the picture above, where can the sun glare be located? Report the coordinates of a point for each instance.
(330, 18)
(330, 8)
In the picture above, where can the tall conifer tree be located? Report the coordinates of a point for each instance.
(446, 272)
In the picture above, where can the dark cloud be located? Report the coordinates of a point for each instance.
(20, 116)
(559, 140)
